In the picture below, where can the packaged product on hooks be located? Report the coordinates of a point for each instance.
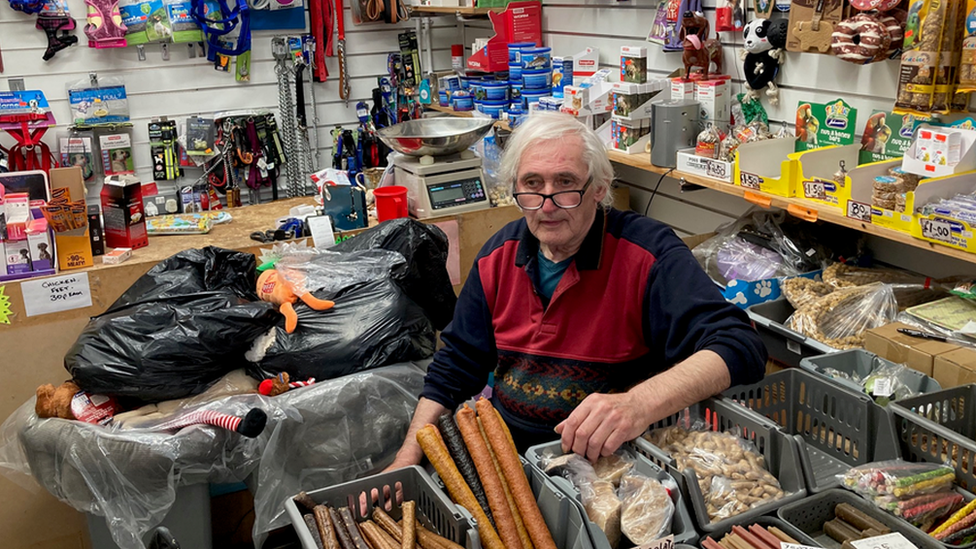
(77, 149)
(96, 101)
(116, 152)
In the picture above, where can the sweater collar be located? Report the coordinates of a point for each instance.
(589, 254)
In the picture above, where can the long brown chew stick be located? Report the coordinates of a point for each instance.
(313, 529)
(326, 530)
(519, 523)
(512, 467)
(409, 538)
(858, 519)
(376, 535)
(783, 536)
(387, 523)
(436, 452)
(350, 523)
(367, 540)
(345, 540)
(467, 422)
(434, 539)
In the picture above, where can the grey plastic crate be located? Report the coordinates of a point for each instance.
(779, 450)
(434, 508)
(836, 428)
(784, 345)
(861, 362)
(566, 522)
(940, 426)
(766, 522)
(810, 515)
(681, 523)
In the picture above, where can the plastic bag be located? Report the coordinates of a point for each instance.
(840, 318)
(175, 331)
(646, 508)
(373, 322)
(424, 276)
(598, 495)
(886, 383)
(922, 511)
(800, 291)
(732, 475)
(910, 289)
(897, 478)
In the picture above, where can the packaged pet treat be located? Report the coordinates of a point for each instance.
(967, 62)
(927, 21)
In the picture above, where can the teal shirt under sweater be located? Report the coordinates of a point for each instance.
(550, 273)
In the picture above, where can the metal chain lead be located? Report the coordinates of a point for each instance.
(286, 110)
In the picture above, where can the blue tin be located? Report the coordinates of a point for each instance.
(493, 108)
(495, 91)
(536, 79)
(444, 98)
(453, 83)
(533, 96)
(515, 51)
(536, 58)
(514, 72)
(462, 101)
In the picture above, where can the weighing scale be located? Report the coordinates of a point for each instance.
(434, 162)
(442, 185)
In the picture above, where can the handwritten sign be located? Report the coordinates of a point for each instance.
(56, 294)
(936, 229)
(859, 211)
(321, 229)
(887, 541)
(784, 545)
(663, 543)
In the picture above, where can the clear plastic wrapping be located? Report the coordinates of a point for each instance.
(885, 383)
(732, 475)
(840, 318)
(617, 497)
(316, 436)
(924, 510)
(898, 479)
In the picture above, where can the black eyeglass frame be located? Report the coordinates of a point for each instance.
(552, 197)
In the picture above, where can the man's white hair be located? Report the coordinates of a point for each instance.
(553, 126)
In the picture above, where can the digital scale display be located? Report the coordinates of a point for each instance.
(455, 193)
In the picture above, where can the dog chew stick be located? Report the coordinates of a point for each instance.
(304, 500)
(748, 537)
(366, 540)
(519, 523)
(409, 537)
(858, 519)
(462, 458)
(783, 536)
(435, 450)
(709, 543)
(377, 536)
(434, 539)
(326, 529)
(350, 522)
(770, 540)
(387, 523)
(313, 529)
(840, 531)
(512, 468)
(467, 423)
(345, 540)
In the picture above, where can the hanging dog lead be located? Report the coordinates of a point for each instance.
(286, 110)
(341, 53)
(304, 148)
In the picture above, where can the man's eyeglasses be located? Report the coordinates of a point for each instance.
(566, 200)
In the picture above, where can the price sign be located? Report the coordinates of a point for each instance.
(663, 543)
(56, 294)
(749, 180)
(887, 541)
(859, 211)
(814, 189)
(936, 229)
(784, 545)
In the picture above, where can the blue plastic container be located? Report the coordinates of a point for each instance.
(558, 76)
(465, 82)
(514, 72)
(493, 108)
(533, 96)
(462, 101)
(515, 51)
(495, 91)
(444, 98)
(453, 83)
(536, 79)
(536, 58)
(515, 92)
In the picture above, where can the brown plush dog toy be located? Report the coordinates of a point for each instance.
(699, 49)
(55, 401)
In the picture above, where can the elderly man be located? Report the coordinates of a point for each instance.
(596, 322)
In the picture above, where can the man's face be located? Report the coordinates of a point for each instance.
(549, 167)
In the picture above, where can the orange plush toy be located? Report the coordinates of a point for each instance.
(275, 289)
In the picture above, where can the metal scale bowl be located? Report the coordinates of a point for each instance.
(441, 175)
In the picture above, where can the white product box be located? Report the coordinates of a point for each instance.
(713, 100)
(682, 89)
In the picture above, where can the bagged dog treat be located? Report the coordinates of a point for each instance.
(949, 57)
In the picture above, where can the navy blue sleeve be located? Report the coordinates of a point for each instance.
(686, 313)
(460, 369)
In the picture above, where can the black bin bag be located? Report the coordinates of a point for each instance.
(176, 330)
(424, 276)
(374, 321)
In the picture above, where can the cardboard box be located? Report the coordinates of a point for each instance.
(39, 245)
(955, 368)
(74, 246)
(17, 256)
(633, 64)
(116, 256)
(96, 236)
(916, 353)
(713, 100)
(682, 89)
(122, 213)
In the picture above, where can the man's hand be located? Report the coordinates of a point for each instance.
(402, 460)
(601, 423)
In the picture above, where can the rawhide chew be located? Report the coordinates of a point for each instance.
(352, 528)
(313, 529)
(435, 450)
(859, 519)
(501, 441)
(323, 521)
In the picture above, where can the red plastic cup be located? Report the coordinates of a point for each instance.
(391, 202)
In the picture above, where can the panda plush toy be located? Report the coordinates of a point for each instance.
(764, 42)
